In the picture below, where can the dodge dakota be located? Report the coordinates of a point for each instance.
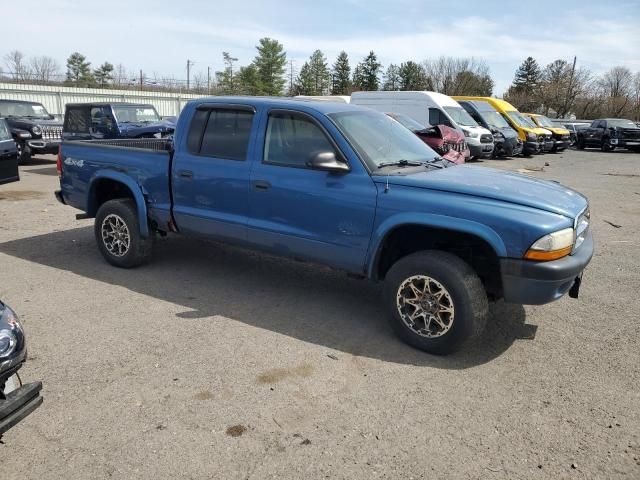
(343, 186)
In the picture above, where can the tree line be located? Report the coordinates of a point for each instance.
(558, 89)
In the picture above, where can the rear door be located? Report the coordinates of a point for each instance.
(210, 174)
(300, 212)
(8, 155)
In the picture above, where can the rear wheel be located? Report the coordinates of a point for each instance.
(436, 301)
(118, 236)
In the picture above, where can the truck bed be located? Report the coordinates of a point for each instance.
(142, 164)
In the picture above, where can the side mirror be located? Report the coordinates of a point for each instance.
(328, 162)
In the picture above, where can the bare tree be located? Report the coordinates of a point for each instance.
(121, 78)
(17, 65)
(459, 76)
(44, 69)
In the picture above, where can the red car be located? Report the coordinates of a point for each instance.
(446, 141)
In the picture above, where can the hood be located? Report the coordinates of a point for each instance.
(27, 123)
(498, 185)
(478, 129)
(507, 132)
(558, 130)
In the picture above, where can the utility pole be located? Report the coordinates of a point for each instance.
(189, 64)
(141, 80)
(208, 80)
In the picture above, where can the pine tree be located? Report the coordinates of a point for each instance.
(79, 71)
(341, 75)
(358, 79)
(391, 78)
(248, 81)
(412, 76)
(528, 76)
(270, 66)
(369, 73)
(104, 74)
(304, 84)
(319, 72)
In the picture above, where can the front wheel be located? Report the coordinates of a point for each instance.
(24, 152)
(606, 145)
(118, 236)
(436, 301)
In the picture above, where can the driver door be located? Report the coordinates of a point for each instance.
(8, 156)
(300, 212)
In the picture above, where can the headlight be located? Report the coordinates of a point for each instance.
(37, 130)
(470, 134)
(8, 342)
(498, 135)
(532, 136)
(24, 135)
(552, 246)
(8, 338)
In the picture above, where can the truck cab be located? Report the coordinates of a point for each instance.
(431, 108)
(34, 130)
(85, 121)
(506, 138)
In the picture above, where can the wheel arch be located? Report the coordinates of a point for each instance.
(110, 185)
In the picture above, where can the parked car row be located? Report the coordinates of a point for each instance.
(35, 131)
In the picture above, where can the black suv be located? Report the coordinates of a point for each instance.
(32, 128)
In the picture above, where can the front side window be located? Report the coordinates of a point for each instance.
(293, 140)
(520, 119)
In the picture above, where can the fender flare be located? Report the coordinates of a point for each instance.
(136, 191)
(429, 220)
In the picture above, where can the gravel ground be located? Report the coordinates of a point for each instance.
(212, 362)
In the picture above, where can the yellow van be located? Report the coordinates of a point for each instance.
(535, 139)
(560, 135)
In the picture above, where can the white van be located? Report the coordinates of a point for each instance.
(327, 98)
(431, 108)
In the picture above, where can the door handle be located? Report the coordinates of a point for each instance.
(261, 185)
(185, 173)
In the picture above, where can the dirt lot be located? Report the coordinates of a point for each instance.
(212, 362)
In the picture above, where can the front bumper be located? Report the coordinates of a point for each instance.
(43, 146)
(548, 145)
(482, 150)
(530, 147)
(561, 144)
(536, 283)
(19, 404)
(624, 142)
(509, 147)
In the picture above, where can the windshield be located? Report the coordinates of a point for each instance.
(460, 116)
(520, 119)
(544, 121)
(135, 114)
(378, 139)
(4, 131)
(494, 119)
(31, 110)
(407, 122)
(621, 123)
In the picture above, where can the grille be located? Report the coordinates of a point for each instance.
(486, 138)
(51, 133)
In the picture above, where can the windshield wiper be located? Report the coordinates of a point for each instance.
(401, 163)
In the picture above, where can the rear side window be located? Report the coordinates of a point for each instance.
(220, 133)
(292, 140)
(77, 120)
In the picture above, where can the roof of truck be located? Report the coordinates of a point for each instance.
(439, 98)
(19, 101)
(104, 104)
(321, 106)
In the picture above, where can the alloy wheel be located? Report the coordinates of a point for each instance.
(425, 306)
(115, 235)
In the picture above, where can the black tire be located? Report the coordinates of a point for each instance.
(580, 144)
(118, 252)
(465, 293)
(24, 153)
(606, 146)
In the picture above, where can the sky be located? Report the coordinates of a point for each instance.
(159, 36)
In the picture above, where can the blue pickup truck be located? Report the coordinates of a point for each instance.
(343, 186)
